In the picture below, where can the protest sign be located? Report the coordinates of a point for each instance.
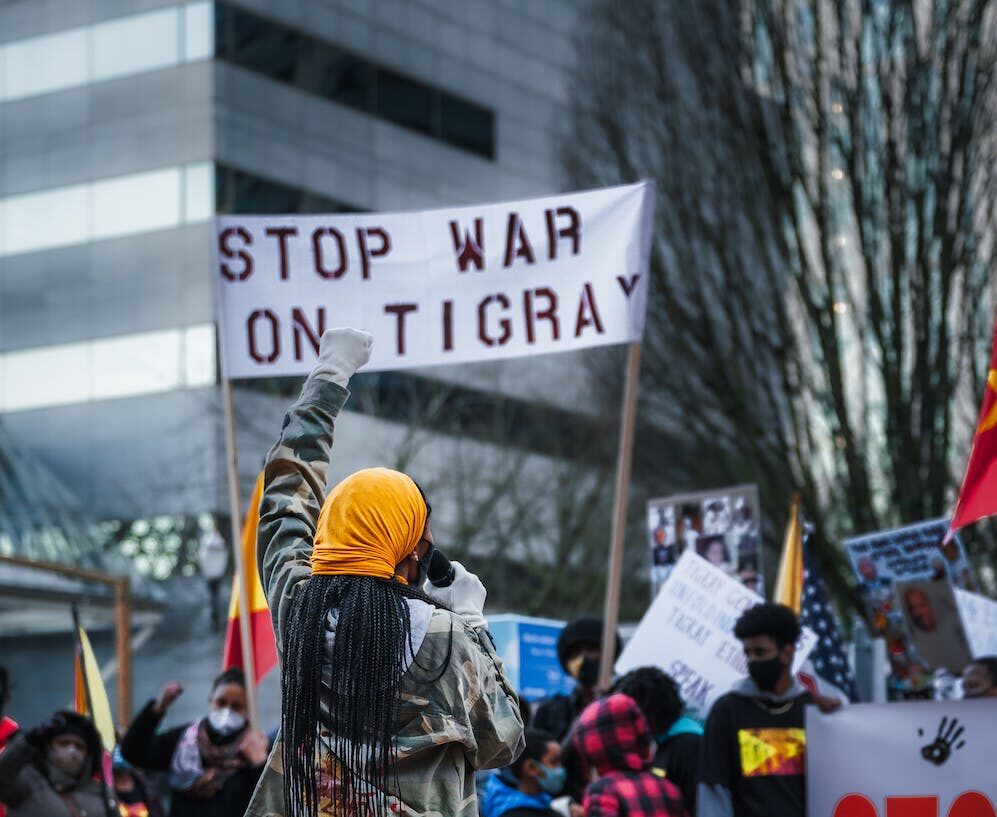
(438, 286)
(924, 759)
(528, 648)
(720, 525)
(933, 621)
(688, 632)
(979, 618)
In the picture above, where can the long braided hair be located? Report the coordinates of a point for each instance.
(345, 702)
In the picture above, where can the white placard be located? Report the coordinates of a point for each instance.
(916, 759)
(688, 631)
(979, 620)
(438, 286)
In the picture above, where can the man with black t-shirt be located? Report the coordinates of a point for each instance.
(754, 749)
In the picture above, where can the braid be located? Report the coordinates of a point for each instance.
(348, 701)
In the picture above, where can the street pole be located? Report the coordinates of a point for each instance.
(614, 573)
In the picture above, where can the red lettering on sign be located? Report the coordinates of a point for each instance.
(367, 252)
(855, 805)
(281, 234)
(470, 250)
(400, 311)
(254, 350)
(447, 326)
(588, 312)
(533, 315)
(628, 286)
(227, 252)
(926, 806)
(504, 323)
(972, 804)
(318, 257)
(517, 243)
(572, 231)
(300, 326)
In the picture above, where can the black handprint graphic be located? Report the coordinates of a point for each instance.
(940, 750)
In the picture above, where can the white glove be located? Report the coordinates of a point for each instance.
(465, 595)
(341, 353)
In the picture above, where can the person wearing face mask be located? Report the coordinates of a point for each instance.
(753, 758)
(527, 787)
(979, 678)
(392, 693)
(53, 770)
(212, 764)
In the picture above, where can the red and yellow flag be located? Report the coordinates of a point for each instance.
(978, 495)
(789, 582)
(89, 695)
(260, 624)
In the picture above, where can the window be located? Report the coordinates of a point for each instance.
(114, 48)
(241, 192)
(106, 208)
(274, 50)
(102, 369)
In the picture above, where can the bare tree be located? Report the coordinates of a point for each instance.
(821, 307)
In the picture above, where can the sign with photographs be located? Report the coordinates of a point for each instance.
(925, 759)
(910, 553)
(722, 526)
(932, 617)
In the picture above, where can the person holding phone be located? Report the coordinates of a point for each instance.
(392, 692)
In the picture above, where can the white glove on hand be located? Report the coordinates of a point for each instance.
(465, 596)
(341, 353)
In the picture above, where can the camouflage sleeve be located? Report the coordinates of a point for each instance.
(293, 492)
(491, 706)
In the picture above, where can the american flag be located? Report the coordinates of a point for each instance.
(828, 656)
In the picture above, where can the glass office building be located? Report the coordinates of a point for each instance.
(125, 125)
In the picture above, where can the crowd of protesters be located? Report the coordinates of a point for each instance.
(394, 700)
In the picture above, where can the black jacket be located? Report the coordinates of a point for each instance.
(143, 748)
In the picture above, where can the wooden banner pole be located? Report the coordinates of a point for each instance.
(242, 586)
(614, 573)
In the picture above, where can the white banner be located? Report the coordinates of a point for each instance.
(918, 759)
(440, 286)
(979, 619)
(688, 631)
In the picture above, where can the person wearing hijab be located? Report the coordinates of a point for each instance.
(213, 764)
(53, 770)
(392, 692)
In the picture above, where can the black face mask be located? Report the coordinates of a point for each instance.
(588, 673)
(424, 565)
(766, 673)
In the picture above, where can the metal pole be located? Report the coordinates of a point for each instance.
(242, 586)
(123, 646)
(615, 571)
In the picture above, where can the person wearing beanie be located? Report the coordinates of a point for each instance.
(579, 651)
(613, 738)
(392, 693)
(53, 770)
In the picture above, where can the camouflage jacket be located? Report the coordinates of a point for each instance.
(469, 719)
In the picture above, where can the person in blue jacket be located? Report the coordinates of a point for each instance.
(528, 786)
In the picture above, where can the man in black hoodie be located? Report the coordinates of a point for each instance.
(754, 749)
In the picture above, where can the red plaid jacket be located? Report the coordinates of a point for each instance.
(613, 737)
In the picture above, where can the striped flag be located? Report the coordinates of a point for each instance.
(89, 695)
(260, 623)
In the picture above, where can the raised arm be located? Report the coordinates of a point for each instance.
(296, 467)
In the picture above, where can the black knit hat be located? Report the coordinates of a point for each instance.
(583, 630)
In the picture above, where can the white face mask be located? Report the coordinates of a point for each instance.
(225, 721)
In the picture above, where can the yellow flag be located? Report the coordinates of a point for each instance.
(90, 692)
(789, 582)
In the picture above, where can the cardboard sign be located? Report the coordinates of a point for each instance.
(439, 286)
(918, 759)
(933, 621)
(721, 526)
(688, 632)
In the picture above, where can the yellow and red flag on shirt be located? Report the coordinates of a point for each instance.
(260, 623)
(89, 695)
(978, 495)
(789, 581)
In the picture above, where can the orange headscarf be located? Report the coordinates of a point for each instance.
(369, 523)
